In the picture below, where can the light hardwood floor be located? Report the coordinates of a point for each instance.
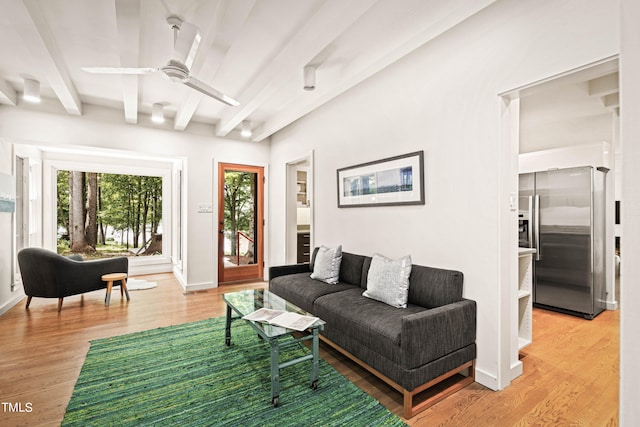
(570, 371)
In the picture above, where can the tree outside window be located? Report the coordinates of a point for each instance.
(102, 215)
(239, 217)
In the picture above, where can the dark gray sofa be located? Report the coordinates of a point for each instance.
(410, 348)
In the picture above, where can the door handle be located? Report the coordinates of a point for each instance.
(530, 223)
(536, 224)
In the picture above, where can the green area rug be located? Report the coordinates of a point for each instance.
(185, 375)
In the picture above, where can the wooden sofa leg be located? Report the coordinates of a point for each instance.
(28, 301)
(407, 404)
(59, 304)
(411, 409)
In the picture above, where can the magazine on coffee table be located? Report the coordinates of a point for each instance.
(286, 319)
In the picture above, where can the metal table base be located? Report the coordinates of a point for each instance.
(275, 345)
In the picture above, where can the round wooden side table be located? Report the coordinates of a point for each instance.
(114, 277)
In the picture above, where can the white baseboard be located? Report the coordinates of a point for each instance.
(486, 379)
(516, 370)
(12, 302)
(177, 273)
(190, 287)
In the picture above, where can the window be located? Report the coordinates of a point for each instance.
(103, 215)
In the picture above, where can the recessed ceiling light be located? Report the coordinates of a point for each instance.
(245, 129)
(157, 113)
(31, 91)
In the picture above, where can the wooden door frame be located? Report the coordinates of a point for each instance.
(249, 272)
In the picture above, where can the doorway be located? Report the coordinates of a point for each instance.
(561, 118)
(240, 222)
(571, 120)
(299, 214)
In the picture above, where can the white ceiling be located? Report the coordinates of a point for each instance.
(575, 109)
(252, 50)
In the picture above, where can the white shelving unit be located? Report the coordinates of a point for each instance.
(522, 311)
(525, 296)
(301, 195)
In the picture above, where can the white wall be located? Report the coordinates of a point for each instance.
(198, 147)
(630, 221)
(443, 99)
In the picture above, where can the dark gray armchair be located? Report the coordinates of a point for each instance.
(46, 274)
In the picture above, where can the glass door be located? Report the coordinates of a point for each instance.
(240, 222)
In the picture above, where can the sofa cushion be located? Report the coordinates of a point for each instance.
(351, 268)
(313, 258)
(433, 287)
(365, 271)
(301, 290)
(327, 264)
(373, 324)
(388, 280)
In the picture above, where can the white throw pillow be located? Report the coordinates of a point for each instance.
(388, 280)
(326, 267)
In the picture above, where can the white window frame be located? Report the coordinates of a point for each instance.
(104, 164)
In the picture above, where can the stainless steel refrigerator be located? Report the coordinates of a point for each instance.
(562, 216)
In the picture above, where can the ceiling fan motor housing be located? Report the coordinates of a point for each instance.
(174, 21)
(175, 71)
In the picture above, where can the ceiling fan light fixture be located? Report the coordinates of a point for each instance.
(245, 129)
(31, 91)
(157, 113)
(309, 77)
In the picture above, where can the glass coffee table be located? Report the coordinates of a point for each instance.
(243, 303)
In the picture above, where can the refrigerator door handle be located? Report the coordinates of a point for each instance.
(530, 227)
(536, 226)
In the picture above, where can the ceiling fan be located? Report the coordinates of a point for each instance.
(186, 38)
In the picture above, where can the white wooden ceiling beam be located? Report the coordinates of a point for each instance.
(361, 69)
(7, 94)
(128, 24)
(206, 66)
(190, 104)
(605, 85)
(42, 46)
(327, 24)
(611, 101)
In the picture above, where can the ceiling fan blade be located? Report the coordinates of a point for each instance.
(200, 86)
(119, 70)
(186, 44)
